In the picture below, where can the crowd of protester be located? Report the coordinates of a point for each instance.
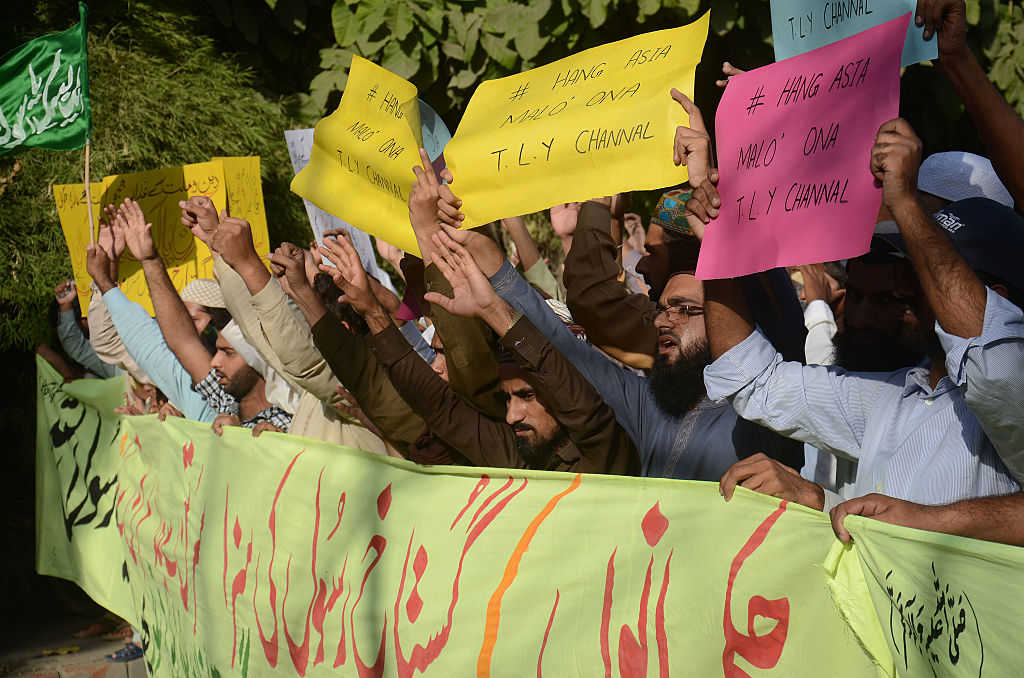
(885, 386)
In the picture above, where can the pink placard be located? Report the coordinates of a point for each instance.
(794, 148)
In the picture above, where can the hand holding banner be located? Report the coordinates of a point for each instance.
(794, 144)
(596, 123)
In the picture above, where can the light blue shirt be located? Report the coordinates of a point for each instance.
(145, 343)
(911, 441)
(990, 373)
(78, 347)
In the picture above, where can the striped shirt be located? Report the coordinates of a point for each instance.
(990, 373)
(910, 441)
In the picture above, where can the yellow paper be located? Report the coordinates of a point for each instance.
(158, 193)
(245, 198)
(596, 123)
(74, 221)
(360, 168)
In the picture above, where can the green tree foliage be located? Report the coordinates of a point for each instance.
(162, 95)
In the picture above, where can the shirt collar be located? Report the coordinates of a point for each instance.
(918, 382)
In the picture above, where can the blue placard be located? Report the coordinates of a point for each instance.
(799, 26)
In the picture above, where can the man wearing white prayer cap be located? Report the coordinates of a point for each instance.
(958, 175)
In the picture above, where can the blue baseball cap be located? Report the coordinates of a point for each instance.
(987, 234)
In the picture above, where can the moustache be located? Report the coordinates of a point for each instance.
(522, 427)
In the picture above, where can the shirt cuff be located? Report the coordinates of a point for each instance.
(504, 278)
(818, 312)
(390, 346)
(739, 366)
(115, 300)
(269, 298)
(1003, 320)
(525, 341)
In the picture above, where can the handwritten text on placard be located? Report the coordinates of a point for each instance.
(799, 26)
(794, 141)
(592, 124)
(360, 167)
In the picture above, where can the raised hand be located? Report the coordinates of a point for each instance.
(65, 294)
(564, 217)
(472, 294)
(199, 215)
(97, 265)
(137, 231)
(703, 204)
(288, 263)
(692, 145)
(484, 250)
(233, 241)
(348, 274)
(105, 239)
(819, 285)
(431, 204)
(948, 18)
(728, 70)
(895, 160)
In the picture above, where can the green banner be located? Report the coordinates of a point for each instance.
(44, 91)
(285, 555)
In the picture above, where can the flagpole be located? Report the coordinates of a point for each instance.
(88, 195)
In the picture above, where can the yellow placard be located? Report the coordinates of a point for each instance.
(596, 123)
(245, 197)
(72, 210)
(360, 168)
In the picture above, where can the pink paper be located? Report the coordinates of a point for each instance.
(794, 151)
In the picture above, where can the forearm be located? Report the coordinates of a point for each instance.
(310, 304)
(469, 351)
(727, 317)
(359, 371)
(525, 246)
(998, 519)
(954, 292)
(594, 294)
(175, 323)
(253, 273)
(484, 441)
(1000, 128)
(78, 347)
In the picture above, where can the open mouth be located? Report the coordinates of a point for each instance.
(666, 343)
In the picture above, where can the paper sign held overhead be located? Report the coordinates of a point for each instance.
(794, 147)
(228, 182)
(360, 167)
(799, 26)
(596, 123)
(300, 146)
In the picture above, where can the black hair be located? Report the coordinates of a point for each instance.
(329, 293)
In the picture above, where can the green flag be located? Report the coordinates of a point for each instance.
(44, 92)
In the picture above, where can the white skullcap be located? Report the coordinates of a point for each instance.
(956, 175)
(205, 292)
(250, 355)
